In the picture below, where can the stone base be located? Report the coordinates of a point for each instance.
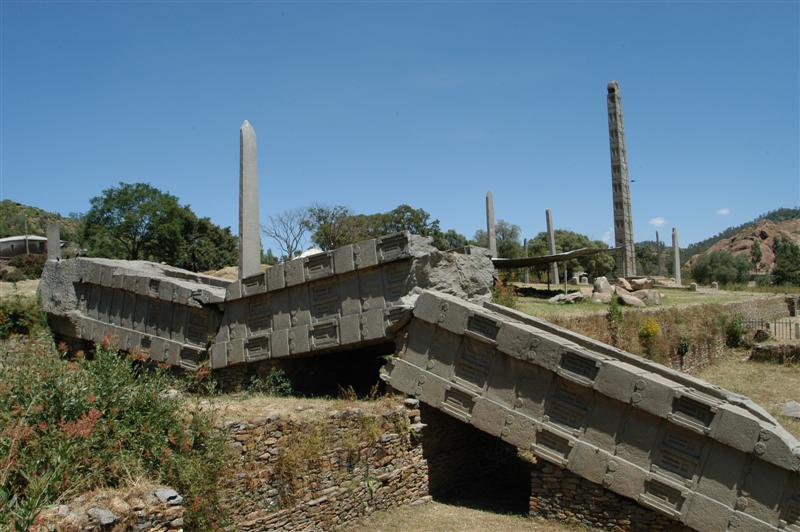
(558, 494)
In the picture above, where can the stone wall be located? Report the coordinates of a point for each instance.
(561, 495)
(780, 353)
(142, 508)
(310, 472)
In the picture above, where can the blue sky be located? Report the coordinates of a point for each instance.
(372, 104)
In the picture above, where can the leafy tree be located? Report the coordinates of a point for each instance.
(508, 240)
(757, 256)
(595, 265)
(336, 226)
(786, 269)
(722, 267)
(139, 222)
(332, 226)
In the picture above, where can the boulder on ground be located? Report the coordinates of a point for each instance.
(601, 297)
(621, 291)
(791, 409)
(693, 287)
(761, 335)
(631, 301)
(572, 297)
(650, 298)
(573, 280)
(602, 286)
(623, 282)
(642, 283)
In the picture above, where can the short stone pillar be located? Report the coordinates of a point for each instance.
(584, 280)
(715, 285)
(693, 287)
(53, 241)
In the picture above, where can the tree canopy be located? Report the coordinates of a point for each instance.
(786, 269)
(722, 267)
(140, 222)
(595, 265)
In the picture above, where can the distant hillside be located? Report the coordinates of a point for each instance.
(762, 234)
(779, 215)
(13, 216)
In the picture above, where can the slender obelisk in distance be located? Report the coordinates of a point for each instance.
(249, 238)
(551, 246)
(490, 224)
(620, 185)
(676, 256)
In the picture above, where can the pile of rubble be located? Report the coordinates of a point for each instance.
(634, 292)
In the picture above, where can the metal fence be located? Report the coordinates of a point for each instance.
(780, 330)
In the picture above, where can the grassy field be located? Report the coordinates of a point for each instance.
(451, 518)
(768, 384)
(672, 298)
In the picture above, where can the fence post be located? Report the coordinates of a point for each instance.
(797, 331)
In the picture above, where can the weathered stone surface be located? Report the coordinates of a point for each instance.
(641, 283)
(791, 409)
(631, 300)
(572, 297)
(620, 185)
(621, 291)
(665, 442)
(650, 297)
(601, 297)
(676, 257)
(102, 516)
(53, 241)
(692, 286)
(715, 285)
(602, 286)
(551, 245)
(490, 232)
(249, 224)
(623, 282)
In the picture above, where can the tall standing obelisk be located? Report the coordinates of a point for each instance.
(676, 257)
(490, 234)
(551, 245)
(249, 238)
(620, 185)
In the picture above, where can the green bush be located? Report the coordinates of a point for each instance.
(274, 383)
(30, 266)
(735, 330)
(787, 262)
(20, 315)
(722, 267)
(74, 426)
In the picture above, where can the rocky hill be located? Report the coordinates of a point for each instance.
(761, 234)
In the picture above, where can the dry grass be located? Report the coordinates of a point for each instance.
(236, 407)
(672, 298)
(22, 288)
(450, 518)
(768, 384)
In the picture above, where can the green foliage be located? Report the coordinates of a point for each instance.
(20, 315)
(274, 383)
(13, 217)
(138, 221)
(722, 267)
(595, 265)
(507, 235)
(734, 330)
(28, 266)
(336, 226)
(504, 295)
(71, 427)
(786, 269)
(756, 253)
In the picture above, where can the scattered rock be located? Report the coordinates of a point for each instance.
(651, 298)
(620, 291)
(791, 409)
(641, 283)
(601, 297)
(761, 335)
(631, 301)
(102, 516)
(693, 287)
(715, 285)
(572, 297)
(623, 282)
(574, 280)
(584, 280)
(169, 496)
(602, 286)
